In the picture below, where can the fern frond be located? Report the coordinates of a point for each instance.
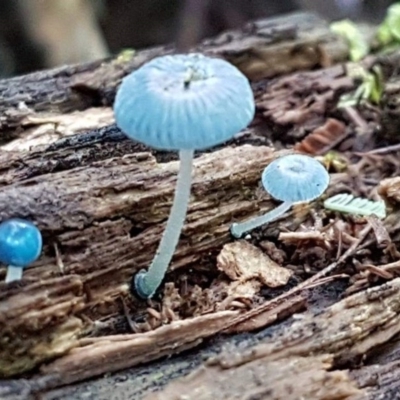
(347, 203)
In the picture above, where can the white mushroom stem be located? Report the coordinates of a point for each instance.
(13, 273)
(239, 229)
(147, 282)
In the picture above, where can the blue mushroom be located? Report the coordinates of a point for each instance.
(20, 245)
(294, 178)
(182, 103)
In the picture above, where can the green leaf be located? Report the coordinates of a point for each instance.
(388, 33)
(347, 203)
(393, 20)
(370, 89)
(359, 47)
(125, 55)
(384, 34)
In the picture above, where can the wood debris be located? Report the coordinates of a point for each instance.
(123, 351)
(241, 261)
(389, 189)
(310, 94)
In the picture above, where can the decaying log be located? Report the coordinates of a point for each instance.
(106, 220)
(123, 351)
(359, 324)
(262, 49)
(101, 201)
(291, 378)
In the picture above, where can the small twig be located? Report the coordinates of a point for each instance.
(340, 246)
(381, 234)
(391, 266)
(379, 271)
(355, 117)
(325, 280)
(59, 260)
(382, 150)
(297, 236)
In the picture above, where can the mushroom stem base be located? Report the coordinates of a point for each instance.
(13, 273)
(146, 283)
(239, 229)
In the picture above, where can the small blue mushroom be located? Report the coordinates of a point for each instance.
(294, 178)
(20, 245)
(183, 103)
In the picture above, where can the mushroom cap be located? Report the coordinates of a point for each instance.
(184, 102)
(295, 178)
(20, 242)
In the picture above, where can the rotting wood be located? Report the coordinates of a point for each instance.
(291, 378)
(307, 105)
(262, 49)
(346, 331)
(124, 351)
(84, 207)
(268, 316)
(378, 381)
(271, 99)
(44, 129)
(41, 310)
(105, 148)
(90, 212)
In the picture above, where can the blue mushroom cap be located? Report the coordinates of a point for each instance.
(295, 178)
(20, 242)
(184, 102)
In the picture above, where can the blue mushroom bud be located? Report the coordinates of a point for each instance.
(292, 179)
(184, 103)
(20, 245)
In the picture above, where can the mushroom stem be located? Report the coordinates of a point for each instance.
(147, 282)
(13, 273)
(239, 229)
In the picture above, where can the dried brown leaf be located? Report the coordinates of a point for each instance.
(324, 138)
(389, 189)
(242, 261)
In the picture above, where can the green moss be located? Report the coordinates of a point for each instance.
(358, 45)
(125, 56)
